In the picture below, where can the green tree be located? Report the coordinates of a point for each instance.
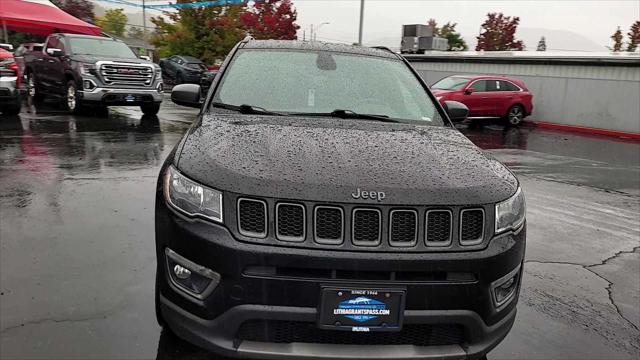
(113, 22)
(448, 31)
(542, 44)
(135, 32)
(617, 40)
(207, 32)
(634, 37)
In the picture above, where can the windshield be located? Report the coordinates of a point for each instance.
(321, 82)
(450, 83)
(101, 47)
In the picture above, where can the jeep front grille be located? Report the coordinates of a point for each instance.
(403, 230)
(290, 222)
(328, 225)
(126, 74)
(471, 226)
(252, 218)
(367, 227)
(439, 227)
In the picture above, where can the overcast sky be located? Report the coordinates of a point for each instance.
(594, 20)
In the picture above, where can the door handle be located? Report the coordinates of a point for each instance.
(484, 97)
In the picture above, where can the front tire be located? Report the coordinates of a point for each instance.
(515, 115)
(150, 109)
(71, 101)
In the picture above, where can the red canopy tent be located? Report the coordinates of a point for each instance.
(41, 17)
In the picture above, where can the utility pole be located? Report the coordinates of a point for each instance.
(144, 21)
(361, 21)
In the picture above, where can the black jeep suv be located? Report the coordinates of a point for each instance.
(323, 206)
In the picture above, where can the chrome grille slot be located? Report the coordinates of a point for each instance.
(403, 228)
(471, 226)
(439, 226)
(126, 74)
(252, 218)
(366, 226)
(290, 222)
(328, 225)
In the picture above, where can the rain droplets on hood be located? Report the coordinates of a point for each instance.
(325, 159)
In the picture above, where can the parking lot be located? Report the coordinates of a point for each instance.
(77, 259)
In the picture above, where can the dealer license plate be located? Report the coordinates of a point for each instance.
(361, 309)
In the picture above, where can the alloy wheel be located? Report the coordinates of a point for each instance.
(515, 115)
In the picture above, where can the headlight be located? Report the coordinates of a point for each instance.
(87, 69)
(510, 214)
(190, 197)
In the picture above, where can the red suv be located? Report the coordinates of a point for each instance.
(487, 96)
(9, 84)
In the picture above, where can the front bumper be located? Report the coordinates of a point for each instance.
(115, 96)
(9, 93)
(214, 322)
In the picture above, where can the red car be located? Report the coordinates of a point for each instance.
(9, 84)
(487, 96)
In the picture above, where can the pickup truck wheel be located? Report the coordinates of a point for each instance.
(71, 101)
(32, 91)
(150, 109)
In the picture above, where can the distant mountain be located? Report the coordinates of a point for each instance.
(557, 40)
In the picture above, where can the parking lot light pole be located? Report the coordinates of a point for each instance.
(361, 21)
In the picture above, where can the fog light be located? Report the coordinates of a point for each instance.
(88, 85)
(181, 272)
(503, 290)
(189, 277)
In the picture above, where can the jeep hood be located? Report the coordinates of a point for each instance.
(326, 159)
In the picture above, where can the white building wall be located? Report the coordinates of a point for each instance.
(605, 97)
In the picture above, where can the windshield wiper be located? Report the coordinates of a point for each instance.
(349, 114)
(246, 109)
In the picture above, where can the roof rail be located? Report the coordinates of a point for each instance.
(386, 49)
(247, 38)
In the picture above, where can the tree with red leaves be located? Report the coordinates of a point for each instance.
(499, 33)
(271, 19)
(634, 37)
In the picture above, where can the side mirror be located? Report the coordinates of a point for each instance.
(54, 52)
(470, 91)
(145, 57)
(186, 95)
(457, 111)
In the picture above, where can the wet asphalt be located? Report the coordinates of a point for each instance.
(77, 259)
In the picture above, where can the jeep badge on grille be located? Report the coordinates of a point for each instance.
(373, 195)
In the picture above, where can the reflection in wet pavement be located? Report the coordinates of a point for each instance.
(77, 259)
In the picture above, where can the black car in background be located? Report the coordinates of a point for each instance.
(328, 208)
(206, 79)
(182, 69)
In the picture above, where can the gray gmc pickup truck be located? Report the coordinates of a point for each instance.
(84, 70)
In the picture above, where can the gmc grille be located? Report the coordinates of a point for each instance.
(346, 226)
(127, 74)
